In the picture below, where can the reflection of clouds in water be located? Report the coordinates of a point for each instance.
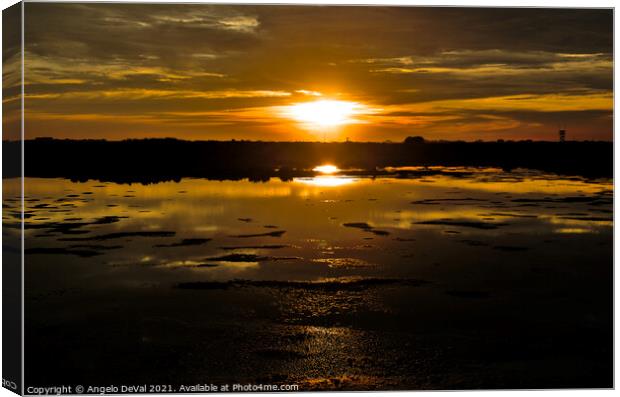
(518, 186)
(194, 187)
(344, 263)
(404, 219)
(204, 265)
(310, 214)
(206, 228)
(573, 230)
(577, 226)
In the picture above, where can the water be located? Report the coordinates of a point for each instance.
(332, 253)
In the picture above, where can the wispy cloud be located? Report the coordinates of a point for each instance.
(218, 71)
(141, 93)
(495, 62)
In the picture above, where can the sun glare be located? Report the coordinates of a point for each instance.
(324, 113)
(326, 169)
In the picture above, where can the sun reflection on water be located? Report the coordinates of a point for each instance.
(326, 181)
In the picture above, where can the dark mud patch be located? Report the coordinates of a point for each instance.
(186, 242)
(105, 220)
(250, 258)
(75, 232)
(509, 215)
(39, 206)
(451, 201)
(588, 218)
(358, 225)
(96, 247)
(111, 236)
(367, 228)
(268, 247)
(569, 199)
(84, 253)
(468, 224)
(276, 233)
(73, 227)
(602, 210)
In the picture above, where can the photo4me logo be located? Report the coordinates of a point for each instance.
(9, 384)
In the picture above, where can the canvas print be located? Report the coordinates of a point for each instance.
(227, 197)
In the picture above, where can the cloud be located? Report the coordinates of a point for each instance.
(497, 62)
(140, 94)
(536, 103)
(209, 19)
(212, 69)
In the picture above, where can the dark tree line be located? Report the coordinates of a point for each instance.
(152, 160)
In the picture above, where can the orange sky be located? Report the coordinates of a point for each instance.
(115, 71)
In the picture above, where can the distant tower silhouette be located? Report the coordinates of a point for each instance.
(562, 134)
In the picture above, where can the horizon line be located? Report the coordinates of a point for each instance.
(425, 140)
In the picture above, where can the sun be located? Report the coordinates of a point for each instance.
(324, 113)
(326, 169)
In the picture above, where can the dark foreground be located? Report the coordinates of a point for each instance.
(545, 334)
(460, 279)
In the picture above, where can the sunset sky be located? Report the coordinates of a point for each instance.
(310, 73)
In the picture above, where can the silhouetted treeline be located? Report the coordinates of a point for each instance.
(153, 160)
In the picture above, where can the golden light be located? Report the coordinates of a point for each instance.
(326, 181)
(324, 113)
(326, 169)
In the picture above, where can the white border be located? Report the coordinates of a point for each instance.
(451, 3)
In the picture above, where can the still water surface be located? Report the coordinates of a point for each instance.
(308, 229)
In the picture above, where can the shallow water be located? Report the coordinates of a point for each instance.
(327, 249)
(310, 228)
